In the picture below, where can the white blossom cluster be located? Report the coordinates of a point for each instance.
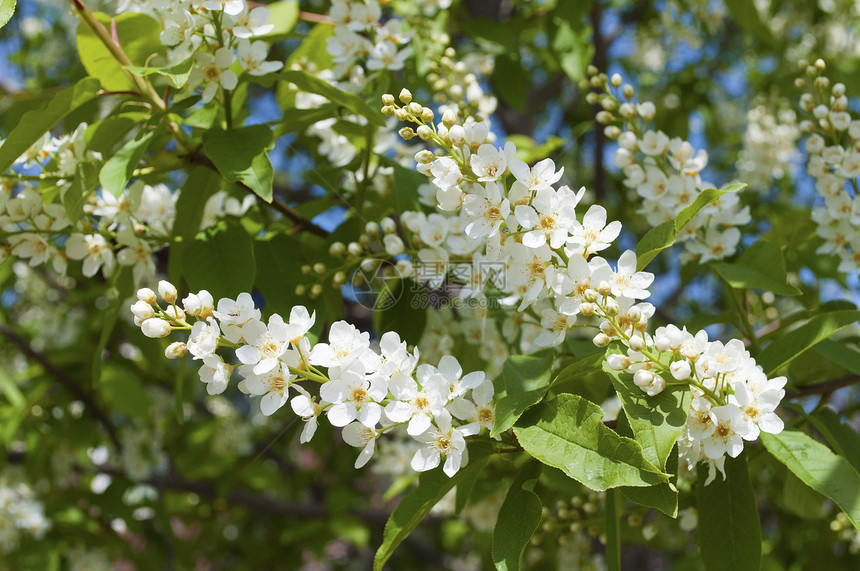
(362, 39)
(366, 392)
(217, 33)
(20, 513)
(770, 147)
(521, 236)
(125, 230)
(732, 398)
(548, 265)
(833, 146)
(665, 173)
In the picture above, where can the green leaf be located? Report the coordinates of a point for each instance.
(511, 81)
(663, 497)
(400, 306)
(139, 36)
(747, 16)
(761, 266)
(297, 120)
(220, 260)
(663, 236)
(657, 421)
(839, 353)
(118, 169)
(85, 182)
(800, 498)
(819, 468)
(198, 188)
(729, 532)
(784, 350)
(177, 74)
(569, 433)
(7, 8)
(414, 507)
(240, 156)
(842, 437)
(283, 16)
(122, 288)
(524, 382)
(518, 519)
(102, 136)
(530, 152)
(36, 123)
(313, 84)
(573, 47)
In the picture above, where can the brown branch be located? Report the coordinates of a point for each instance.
(316, 18)
(91, 406)
(198, 158)
(825, 387)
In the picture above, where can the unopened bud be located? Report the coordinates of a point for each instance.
(354, 248)
(615, 80)
(427, 114)
(405, 95)
(415, 109)
(424, 132)
(167, 291)
(601, 340)
(628, 91)
(388, 110)
(401, 114)
(316, 290)
(337, 249)
(142, 310)
(603, 288)
(319, 268)
(388, 99)
(155, 328)
(147, 295)
(176, 350)
(407, 133)
(681, 370)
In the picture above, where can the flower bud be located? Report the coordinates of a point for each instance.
(680, 370)
(142, 310)
(354, 248)
(601, 340)
(407, 133)
(315, 292)
(393, 244)
(388, 99)
(615, 80)
(338, 279)
(587, 309)
(388, 110)
(617, 362)
(449, 118)
(636, 343)
(147, 295)
(590, 295)
(175, 312)
(643, 378)
(415, 109)
(457, 134)
(401, 114)
(427, 114)
(337, 249)
(405, 95)
(388, 225)
(319, 268)
(628, 91)
(176, 350)
(167, 291)
(603, 288)
(155, 328)
(424, 132)
(611, 307)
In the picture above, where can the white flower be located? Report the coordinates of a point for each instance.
(309, 410)
(234, 314)
(230, 7)
(353, 397)
(346, 345)
(627, 282)
(215, 373)
(443, 440)
(726, 437)
(359, 436)
(593, 234)
(654, 143)
(253, 23)
(200, 304)
(542, 175)
(252, 57)
(489, 163)
(417, 405)
(94, 250)
(273, 385)
(203, 340)
(266, 344)
(213, 71)
(487, 211)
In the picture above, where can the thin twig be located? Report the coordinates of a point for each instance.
(91, 406)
